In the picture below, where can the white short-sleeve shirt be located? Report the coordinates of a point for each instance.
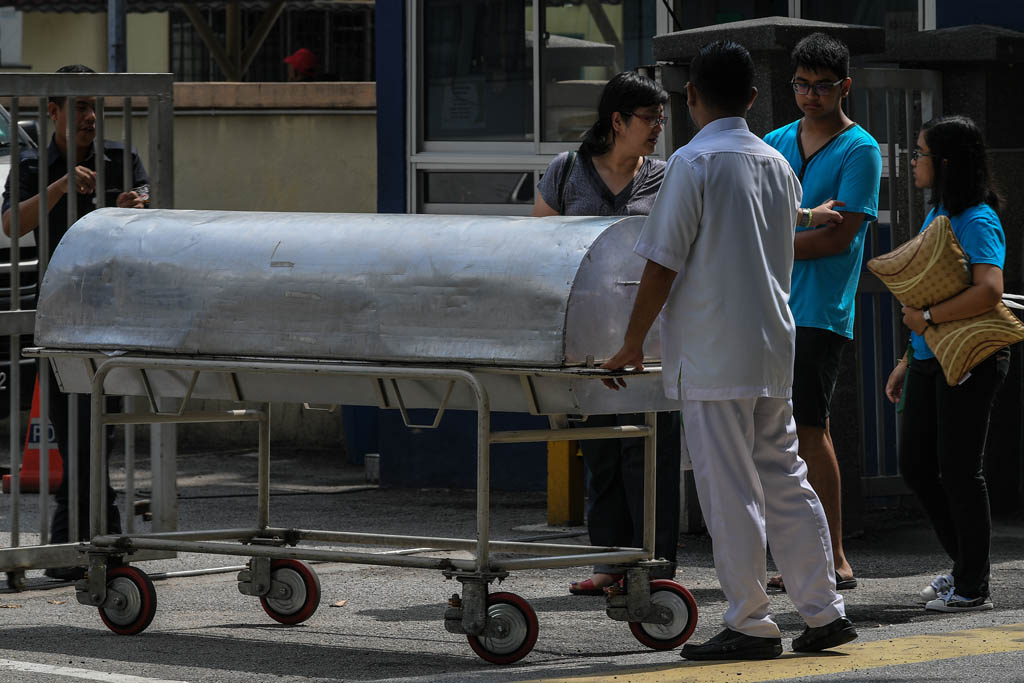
(724, 220)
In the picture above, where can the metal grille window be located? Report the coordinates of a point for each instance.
(342, 38)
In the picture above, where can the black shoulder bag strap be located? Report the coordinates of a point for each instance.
(569, 163)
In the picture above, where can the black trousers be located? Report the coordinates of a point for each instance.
(941, 457)
(59, 417)
(615, 515)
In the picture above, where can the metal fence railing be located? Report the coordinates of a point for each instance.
(891, 104)
(147, 97)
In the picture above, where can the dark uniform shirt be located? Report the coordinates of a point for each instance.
(113, 156)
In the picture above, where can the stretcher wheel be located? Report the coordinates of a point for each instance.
(16, 580)
(298, 595)
(515, 622)
(684, 617)
(131, 601)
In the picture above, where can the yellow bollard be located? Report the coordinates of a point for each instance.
(565, 484)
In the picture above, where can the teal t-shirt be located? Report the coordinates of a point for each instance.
(849, 169)
(980, 233)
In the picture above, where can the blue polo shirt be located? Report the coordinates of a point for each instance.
(848, 168)
(980, 233)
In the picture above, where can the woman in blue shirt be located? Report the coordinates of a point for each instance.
(944, 428)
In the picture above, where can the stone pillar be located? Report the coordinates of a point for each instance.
(770, 42)
(981, 70)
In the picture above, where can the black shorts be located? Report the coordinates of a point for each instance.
(815, 371)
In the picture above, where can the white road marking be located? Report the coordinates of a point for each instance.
(71, 672)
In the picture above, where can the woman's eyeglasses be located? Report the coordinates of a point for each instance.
(917, 154)
(804, 88)
(652, 121)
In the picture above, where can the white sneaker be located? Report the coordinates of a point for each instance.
(951, 602)
(939, 585)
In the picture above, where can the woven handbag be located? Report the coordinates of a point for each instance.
(931, 268)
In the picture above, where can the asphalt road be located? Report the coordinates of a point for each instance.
(385, 623)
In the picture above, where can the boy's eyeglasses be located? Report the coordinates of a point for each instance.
(803, 88)
(652, 121)
(917, 154)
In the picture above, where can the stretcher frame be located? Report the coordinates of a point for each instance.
(264, 543)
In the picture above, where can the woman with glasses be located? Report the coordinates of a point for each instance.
(942, 442)
(611, 175)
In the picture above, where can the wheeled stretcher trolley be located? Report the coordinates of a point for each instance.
(398, 312)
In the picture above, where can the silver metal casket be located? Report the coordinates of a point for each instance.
(510, 297)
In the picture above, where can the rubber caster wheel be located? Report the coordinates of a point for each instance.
(684, 617)
(16, 580)
(517, 628)
(295, 592)
(131, 601)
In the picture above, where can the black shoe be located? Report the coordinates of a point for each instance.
(731, 644)
(65, 573)
(837, 633)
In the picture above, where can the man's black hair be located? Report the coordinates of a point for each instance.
(723, 74)
(70, 69)
(820, 52)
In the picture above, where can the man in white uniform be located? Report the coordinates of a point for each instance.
(719, 244)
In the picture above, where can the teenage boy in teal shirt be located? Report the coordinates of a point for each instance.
(840, 166)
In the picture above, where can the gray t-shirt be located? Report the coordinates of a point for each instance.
(587, 195)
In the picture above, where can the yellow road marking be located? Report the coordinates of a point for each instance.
(852, 657)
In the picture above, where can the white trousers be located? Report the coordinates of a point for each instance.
(753, 488)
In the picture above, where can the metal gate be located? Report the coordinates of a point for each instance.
(891, 104)
(118, 96)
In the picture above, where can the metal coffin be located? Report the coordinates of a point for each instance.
(468, 289)
(495, 293)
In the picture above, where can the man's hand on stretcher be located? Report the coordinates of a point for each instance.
(630, 355)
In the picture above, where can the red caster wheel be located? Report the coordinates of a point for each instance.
(294, 593)
(516, 625)
(668, 636)
(130, 603)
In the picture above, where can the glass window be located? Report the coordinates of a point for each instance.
(697, 14)
(585, 44)
(461, 187)
(477, 70)
(582, 48)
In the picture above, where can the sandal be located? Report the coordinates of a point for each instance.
(587, 586)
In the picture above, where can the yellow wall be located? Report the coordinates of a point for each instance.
(149, 42)
(51, 39)
(269, 162)
(276, 162)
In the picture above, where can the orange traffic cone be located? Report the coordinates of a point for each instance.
(30, 456)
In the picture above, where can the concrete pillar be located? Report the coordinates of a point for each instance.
(770, 42)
